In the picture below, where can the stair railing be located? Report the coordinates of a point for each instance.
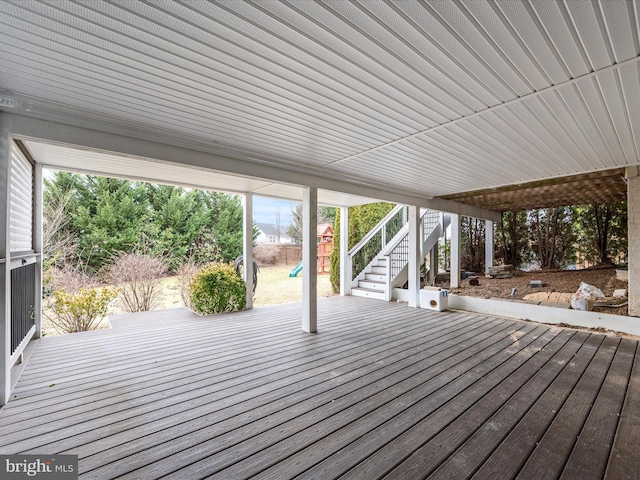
(366, 250)
(397, 252)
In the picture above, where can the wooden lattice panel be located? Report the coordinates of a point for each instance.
(591, 188)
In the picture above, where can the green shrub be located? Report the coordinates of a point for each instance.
(217, 288)
(79, 311)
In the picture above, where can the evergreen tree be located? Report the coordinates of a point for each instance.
(179, 217)
(553, 237)
(472, 244)
(225, 224)
(326, 215)
(512, 239)
(361, 220)
(111, 217)
(602, 231)
(295, 229)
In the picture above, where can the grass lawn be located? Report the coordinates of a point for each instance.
(274, 287)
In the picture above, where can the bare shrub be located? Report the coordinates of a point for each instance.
(266, 254)
(70, 278)
(139, 276)
(185, 277)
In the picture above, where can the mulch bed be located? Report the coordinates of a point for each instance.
(565, 281)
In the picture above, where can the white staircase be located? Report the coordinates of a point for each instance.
(379, 262)
(374, 283)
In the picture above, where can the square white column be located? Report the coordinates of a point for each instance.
(488, 246)
(310, 260)
(455, 250)
(247, 247)
(633, 209)
(415, 241)
(345, 266)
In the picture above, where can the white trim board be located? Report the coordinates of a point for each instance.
(544, 314)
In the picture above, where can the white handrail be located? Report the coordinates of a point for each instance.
(403, 232)
(375, 229)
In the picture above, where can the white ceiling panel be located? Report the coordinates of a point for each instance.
(429, 98)
(561, 32)
(588, 22)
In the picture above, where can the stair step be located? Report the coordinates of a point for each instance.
(378, 286)
(365, 292)
(379, 270)
(372, 277)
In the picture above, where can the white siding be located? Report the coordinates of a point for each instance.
(21, 203)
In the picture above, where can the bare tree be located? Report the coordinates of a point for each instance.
(57, 238)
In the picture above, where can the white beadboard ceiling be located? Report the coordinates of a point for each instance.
(431, 98)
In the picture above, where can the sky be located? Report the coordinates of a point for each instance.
(265, 209)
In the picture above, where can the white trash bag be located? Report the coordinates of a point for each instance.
(585, 297)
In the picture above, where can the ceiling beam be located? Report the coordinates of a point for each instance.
(160, 148)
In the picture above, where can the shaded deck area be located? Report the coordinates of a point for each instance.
(381, 391)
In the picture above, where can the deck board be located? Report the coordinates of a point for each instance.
(627, 439)
(592, 450)
(430, 442)
(381, 389)
(515, 449)
(377, 429)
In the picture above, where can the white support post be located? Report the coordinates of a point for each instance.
(37, 244)
(5, 267)
(415, 239)
(433, 264)
(455, 251)
(488, 246)
(247, 248)
(345, 271)
(310, 260)
(633, 228)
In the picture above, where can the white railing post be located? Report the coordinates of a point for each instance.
(423, 232)
(388, 290)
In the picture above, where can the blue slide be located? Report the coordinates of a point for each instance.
(296, 271)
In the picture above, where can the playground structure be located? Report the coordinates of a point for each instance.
(325, 247)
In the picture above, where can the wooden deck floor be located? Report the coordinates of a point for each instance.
(382, 391)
